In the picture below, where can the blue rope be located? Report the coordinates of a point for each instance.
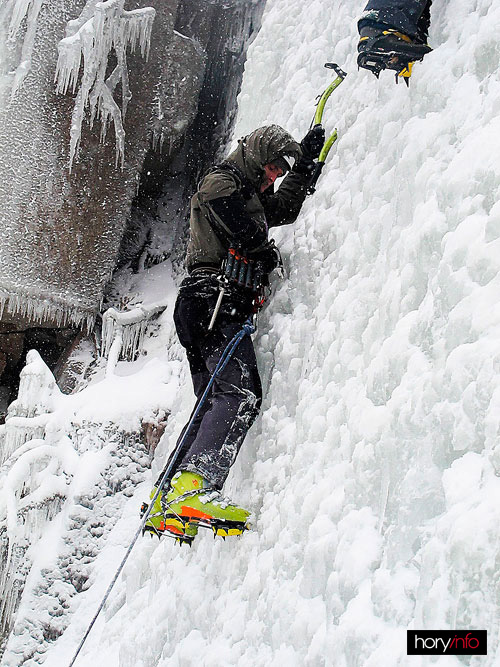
(247, 329)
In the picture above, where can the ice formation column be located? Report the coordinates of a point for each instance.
(27, 414)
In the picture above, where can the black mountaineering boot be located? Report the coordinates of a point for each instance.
(384, 48)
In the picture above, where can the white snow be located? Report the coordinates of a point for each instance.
(373, 471)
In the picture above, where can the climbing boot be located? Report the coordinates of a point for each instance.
(384, 48)
(193, 502)
(159, 524)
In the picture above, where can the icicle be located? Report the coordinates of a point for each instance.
(15, 12)
(10, 579)
(39, 308)
(110, 29)
(19, 10)
(124, 332)
(34, 483)
(114, 350)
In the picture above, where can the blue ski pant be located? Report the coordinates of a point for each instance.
(215, 438)
(411, 17)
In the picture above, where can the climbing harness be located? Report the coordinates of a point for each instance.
(244, 272)
(247, 329)
(317, 120)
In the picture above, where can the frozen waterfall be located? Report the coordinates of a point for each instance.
(373, 471)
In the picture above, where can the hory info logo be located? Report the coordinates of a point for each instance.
(446, 642)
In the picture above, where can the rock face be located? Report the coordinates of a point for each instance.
(156, 87)
(60, 231)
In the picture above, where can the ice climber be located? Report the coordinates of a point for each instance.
(393, 35)
(231, 213)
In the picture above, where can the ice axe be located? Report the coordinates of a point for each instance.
(317, 120)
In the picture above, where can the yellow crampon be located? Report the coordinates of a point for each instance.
(226, 531)
(400, 35)
(406, 72)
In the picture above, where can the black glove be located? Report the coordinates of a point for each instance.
(313, 142)
(305, 166)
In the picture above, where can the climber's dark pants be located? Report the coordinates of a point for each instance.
(411, 17)
(215, 438)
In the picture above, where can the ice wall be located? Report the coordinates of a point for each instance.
(372, 471)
